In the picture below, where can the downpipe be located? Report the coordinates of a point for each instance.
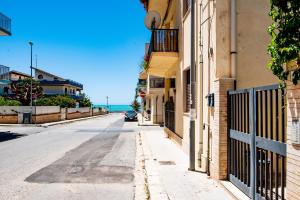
(233, 41)
(193, 91)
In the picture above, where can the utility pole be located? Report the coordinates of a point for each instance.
(31, 44)
(193, 94)
(36, 61)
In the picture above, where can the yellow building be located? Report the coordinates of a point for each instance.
(231, 40)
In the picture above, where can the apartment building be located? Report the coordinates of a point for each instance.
(56, 85)
(238, 100)
(5, 25)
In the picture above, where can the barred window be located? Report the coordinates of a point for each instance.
(186, 4)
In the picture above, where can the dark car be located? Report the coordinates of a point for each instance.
(131, 115)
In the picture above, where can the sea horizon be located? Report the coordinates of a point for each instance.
(115, 107)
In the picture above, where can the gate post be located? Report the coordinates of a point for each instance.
(252, 122)
(293, 145)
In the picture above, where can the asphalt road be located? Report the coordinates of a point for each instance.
(91, 159)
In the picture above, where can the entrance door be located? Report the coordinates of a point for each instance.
(257, 141)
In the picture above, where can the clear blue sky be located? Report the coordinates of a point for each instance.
(95, 42)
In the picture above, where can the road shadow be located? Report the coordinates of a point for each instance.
(5, 136)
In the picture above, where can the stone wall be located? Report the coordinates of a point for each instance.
(45, 114)
(75, 113)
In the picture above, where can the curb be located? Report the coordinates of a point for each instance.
(69, 121)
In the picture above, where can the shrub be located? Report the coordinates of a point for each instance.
(8, 102)
(85, 102)
(62, 101)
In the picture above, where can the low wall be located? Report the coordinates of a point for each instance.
(45, 114)
(75, 113)
(40, 114)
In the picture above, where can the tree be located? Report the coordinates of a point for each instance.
(21, 91)
(136, 105)
(285, 44)
(85, 101)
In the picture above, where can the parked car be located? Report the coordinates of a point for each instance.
(131, 115)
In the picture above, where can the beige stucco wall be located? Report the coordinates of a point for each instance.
(17, 76)
(215, 38)
(253, 39)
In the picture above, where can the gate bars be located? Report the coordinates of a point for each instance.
(257, 141)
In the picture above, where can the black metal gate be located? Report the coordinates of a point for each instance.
(257, 142)
(170, 115)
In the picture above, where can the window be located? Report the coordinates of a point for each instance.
(40, 77)
(187, 90)
(186, 4)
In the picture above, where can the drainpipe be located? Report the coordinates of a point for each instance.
(233, 42)
(201, 90)
(193, 91)
(208, 89)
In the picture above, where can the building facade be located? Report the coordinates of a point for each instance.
(230, 45)
(55, 85)
(5, 25)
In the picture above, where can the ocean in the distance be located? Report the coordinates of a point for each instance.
(116, 108)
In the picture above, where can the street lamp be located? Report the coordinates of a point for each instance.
(31, 44)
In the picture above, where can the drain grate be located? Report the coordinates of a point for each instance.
(167, 162)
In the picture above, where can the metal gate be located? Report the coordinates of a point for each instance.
(257, 142)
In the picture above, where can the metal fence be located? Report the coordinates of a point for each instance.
(163, 40)
(257, 142)
(170, 116)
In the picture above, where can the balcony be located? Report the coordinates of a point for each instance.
(163, 52)
(5, 25)
(65, 82)
(156, 85)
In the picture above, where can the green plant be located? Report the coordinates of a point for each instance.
(9, 102)
(62, 101)
(285, 33)
(21, 91)
(85, 102)
(135, 105)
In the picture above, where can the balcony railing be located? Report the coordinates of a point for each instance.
(5, 24)
(163, 40)
(157, 83)
(65, 82)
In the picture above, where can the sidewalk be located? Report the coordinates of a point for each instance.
(167, 175)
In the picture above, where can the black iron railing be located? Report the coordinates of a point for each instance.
(157, 83)
(58, 82)
(5, 24)
(163, 40)
(170, 116)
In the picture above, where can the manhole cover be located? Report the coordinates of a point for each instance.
(166, 162)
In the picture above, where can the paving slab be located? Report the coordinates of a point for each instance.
(166, 165)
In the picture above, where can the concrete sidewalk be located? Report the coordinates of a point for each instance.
(167, 175)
